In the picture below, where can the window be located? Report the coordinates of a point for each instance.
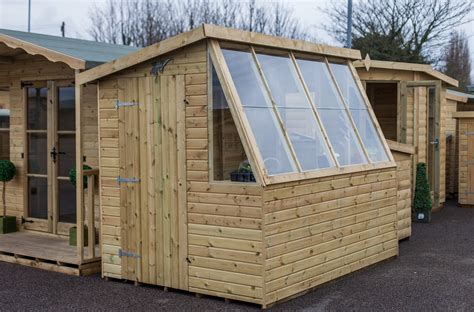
(296, 112)
(259, 112)
(333, 113)
(4, 125)
(303, 114)
(359, 112)
(228, 152)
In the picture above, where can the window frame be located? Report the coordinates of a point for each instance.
(216, 59)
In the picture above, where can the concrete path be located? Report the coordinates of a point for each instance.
(434, 272)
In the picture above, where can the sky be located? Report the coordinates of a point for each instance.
(47, 15)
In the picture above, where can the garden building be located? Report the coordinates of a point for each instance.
(410, 102)
(38, 134)
(239, 165)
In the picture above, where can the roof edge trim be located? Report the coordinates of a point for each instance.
(142, 55)
(34, 49)
(259, 39)
(408, 67)
(212, 32)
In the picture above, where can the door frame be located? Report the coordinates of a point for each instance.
(51, 224)
(437, 84)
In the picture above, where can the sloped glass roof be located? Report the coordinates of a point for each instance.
(305, 114)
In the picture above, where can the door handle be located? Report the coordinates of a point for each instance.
(435, 142)
(54, 153)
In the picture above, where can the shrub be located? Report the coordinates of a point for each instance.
(7, 173)
(422, 202)
(72, 176)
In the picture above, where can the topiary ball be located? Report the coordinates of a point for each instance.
(72, 175)
(7, 170)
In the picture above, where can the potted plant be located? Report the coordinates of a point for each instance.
(73, 229)
(422, 203)
(243, 174)
(7, 173)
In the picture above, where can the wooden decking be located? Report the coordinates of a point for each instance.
(46, 252)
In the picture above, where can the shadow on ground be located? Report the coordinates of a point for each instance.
(434, 272)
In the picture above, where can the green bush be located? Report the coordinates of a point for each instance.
(72, 176)
(7, 173)
(422, 202)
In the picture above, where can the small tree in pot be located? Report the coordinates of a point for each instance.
(7, 173)
(422, 203)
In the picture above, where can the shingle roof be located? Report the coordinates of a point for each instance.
(90, 52)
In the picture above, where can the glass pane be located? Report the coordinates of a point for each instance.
(369, 135)
(246, 78)
(66, 112)
(320, 86)
(37, 108)
(295, 110)
(348, 86)
(4, 118)
(270, 140)
(66, 161)
(306, 138)
(37, 153)
(37, 198)
(228, 150)
(67, 201)
(342, 137)
(4, 145)
(257, 107)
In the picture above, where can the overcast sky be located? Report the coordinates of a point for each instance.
(47, 15)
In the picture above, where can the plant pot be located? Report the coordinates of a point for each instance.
(7, 224)
(73, 236)
(421, 217)
(242, 176)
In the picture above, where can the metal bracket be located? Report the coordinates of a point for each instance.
(123, 253)
(468, 193)
(127, 180)
(122, 104)
(158, 67)
(469, 133)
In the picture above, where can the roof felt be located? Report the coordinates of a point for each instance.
(93, 53)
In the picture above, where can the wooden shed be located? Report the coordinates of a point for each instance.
(240, 165)
(38, 134)
(410, 103)
(455, 101)
(463, 186)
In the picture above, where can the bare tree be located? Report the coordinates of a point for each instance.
(143, 22)
(457, 61)
(417, 28)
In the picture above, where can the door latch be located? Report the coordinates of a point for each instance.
(54, 153)
(435, 142)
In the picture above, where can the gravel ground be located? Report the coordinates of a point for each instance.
(434, 272)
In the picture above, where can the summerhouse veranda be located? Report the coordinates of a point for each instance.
(46, 126)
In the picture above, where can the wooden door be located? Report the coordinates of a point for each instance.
(431, 132)
(153, 174)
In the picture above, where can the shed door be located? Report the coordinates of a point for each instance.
(153, 174)
(420, 119)
(469, 188)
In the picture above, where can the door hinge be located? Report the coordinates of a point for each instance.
(127, 180)
(123, 253)
(119, 104)
(468, 193)
(159, 66)
(469, 133)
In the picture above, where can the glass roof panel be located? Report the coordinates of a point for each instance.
(360, 115)
(334, 116)
(260, 114)
(319, 83)
(296, 112)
